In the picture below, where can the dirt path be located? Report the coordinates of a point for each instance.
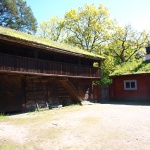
(88, 127)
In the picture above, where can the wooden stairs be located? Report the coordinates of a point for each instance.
(71, 89)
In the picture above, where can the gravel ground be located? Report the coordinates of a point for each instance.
(87, 127)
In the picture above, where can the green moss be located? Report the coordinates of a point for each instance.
(135, 67)
(44, 42)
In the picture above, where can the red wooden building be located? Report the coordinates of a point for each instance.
(35, 73)
(131, 87)
(131, 82)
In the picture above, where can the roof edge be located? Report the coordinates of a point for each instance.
(44, 44)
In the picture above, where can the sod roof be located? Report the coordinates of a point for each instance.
(43, 43)
(128, 68)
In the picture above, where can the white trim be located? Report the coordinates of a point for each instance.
(130, 88)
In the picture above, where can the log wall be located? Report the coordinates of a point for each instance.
(16, 92)
(11, 94)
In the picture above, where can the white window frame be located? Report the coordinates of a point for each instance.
(130, 88)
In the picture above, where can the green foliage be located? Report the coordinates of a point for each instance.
(132, 68)
(8, 10)
(144, 67)
(123, 53)
(127, 44)
(17, 15)
(105, 80)
(107, 67)
(95, 64)
(53, 29)
(90, 27)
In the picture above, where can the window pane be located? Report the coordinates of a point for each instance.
(132, 84)
(127, 84)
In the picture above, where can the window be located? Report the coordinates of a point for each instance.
(130, 85)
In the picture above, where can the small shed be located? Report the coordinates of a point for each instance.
(131, 81)
(131, 87)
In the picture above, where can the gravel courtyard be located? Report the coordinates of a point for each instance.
(87, 127)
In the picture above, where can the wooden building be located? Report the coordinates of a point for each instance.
(130, 87)
(36, 73)
(131, 82)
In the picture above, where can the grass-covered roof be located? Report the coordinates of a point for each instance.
(21, 36)
(135, 67)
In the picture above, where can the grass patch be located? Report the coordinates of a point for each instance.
(4, 145)
(3, 117)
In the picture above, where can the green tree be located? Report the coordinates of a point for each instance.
(127, 44)
(54, 29)
(8, 11)
(90, 27)
(17, 15)
(107, 67)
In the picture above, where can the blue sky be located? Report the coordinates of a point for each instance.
(134, 12)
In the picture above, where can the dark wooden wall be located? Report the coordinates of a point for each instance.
(11, 93)
(15, 95)
(21, 50)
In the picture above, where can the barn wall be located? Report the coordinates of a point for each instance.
(142, 93)
(56, 93)
(84, 87)
(16, 93)
(53, 92)
(11, 93)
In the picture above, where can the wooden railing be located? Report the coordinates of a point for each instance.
(31, 65)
